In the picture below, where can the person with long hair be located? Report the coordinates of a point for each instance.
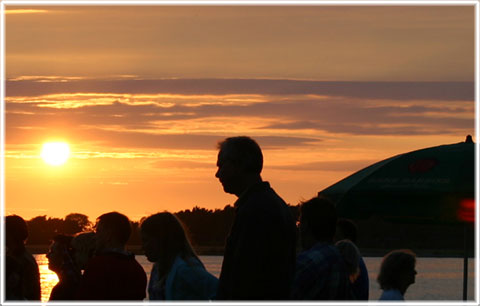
(60, 261)
(347, 229)
(83, 245)
(177, 273)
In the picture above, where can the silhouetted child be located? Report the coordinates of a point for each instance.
(177, 273)
(346, 229)
(84, 246)
(16, 234)
(113, 273)
(61, 262)
(397, 273)
(351, 257)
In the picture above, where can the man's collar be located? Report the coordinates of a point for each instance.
(252, 188)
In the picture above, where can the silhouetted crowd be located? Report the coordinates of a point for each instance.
(260, 259)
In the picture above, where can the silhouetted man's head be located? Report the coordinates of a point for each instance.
(346, 229)
(113, 230)
(16, 233)
(240, 162)
(318, 220)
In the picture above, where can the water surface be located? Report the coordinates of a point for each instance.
(437, 278)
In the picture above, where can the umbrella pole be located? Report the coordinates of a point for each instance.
(465, 261)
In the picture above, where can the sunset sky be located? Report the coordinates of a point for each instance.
(142, 94)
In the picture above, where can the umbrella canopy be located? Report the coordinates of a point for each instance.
(431, 185)
(423, 199)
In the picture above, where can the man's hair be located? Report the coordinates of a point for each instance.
(348, 229)
(64, 241)
(117, 224)
(16, 228)
(321, 217)
(243, 151)
(393, 265)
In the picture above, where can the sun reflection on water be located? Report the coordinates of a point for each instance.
(48, 278)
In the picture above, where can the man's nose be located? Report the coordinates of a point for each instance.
(217, 173)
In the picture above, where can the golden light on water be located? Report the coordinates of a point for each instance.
(48, 278)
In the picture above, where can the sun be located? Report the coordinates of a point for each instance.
(55, 153)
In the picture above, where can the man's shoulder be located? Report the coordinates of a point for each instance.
(319, 255)
(26, 259)
(266, 196)
(111, 259)
(114, 265)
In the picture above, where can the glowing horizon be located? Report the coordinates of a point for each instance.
(143, 94)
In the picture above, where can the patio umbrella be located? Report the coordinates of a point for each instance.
(423, 189)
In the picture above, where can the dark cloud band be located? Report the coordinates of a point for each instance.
(445, 91)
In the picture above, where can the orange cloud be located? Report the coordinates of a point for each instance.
(25, 11)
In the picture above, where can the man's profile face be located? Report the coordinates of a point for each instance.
(228, 173)
(102, 236)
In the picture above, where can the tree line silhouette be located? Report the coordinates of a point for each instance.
(206, 227)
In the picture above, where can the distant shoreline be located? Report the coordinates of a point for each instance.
(218, 251)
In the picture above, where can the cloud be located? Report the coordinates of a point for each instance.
(132, 125)
(344, 165)
(184, 164)
(188, 142)
(115, 139)
(444, 91)
(198, 121)
(24, 11)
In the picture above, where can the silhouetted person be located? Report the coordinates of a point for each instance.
(84, 245)
(346, 229)
(259, 255)
(320, 272)
(61, 262)
(177, 273)
(397, 273)
(113, 273)
(351, 258)
(16, 234)
(13, 279)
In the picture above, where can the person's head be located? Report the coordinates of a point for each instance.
(318, 219)
(16, 233)
(346, 229)
(351, 257)
(397, 270)
(83, 245)
(239, 162)
(60, 251)
(164, 238)
(112, 231)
